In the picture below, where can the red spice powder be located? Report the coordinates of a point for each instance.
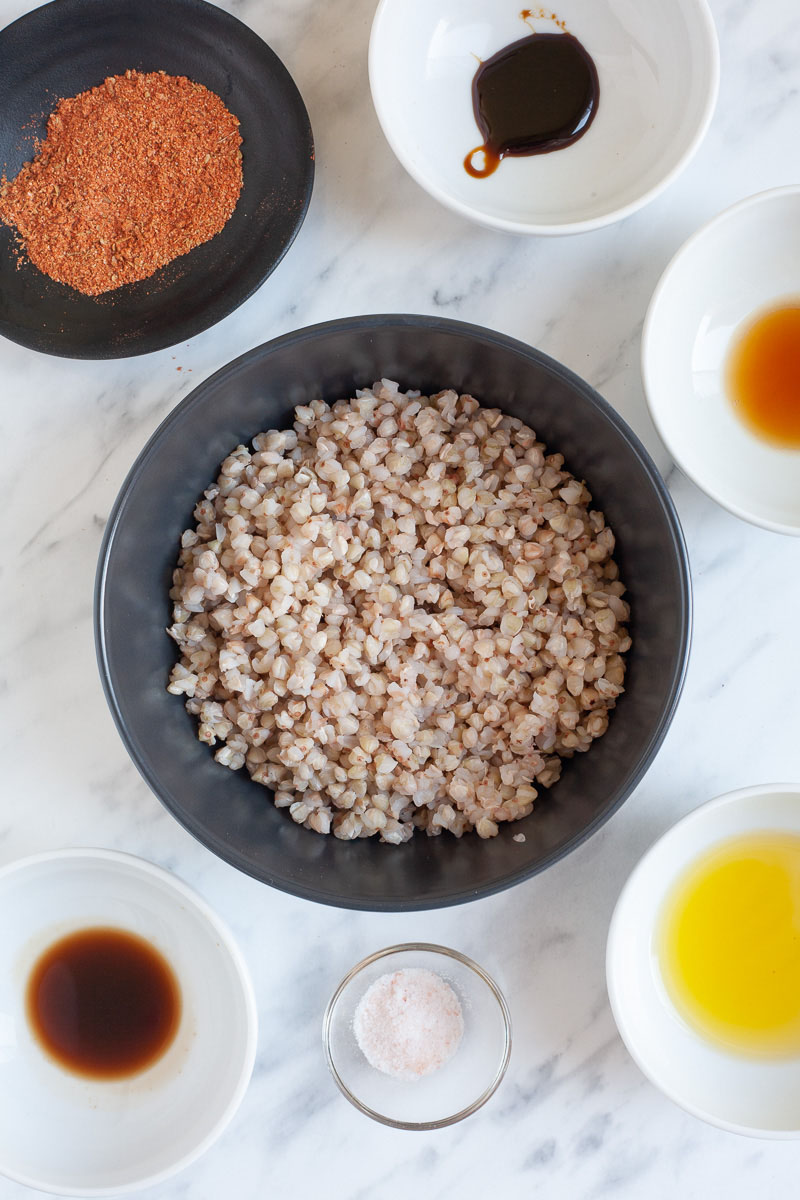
(131, 175)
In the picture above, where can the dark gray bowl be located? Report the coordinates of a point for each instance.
(235, 817)
(68, 46)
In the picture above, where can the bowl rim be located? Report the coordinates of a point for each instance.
(619, 1007)
(181, 892)
(136, 344)
(649, 335)
(366, 324)
(434, 950)
(707, 29)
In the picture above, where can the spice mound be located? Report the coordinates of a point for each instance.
(409, 1024)
(131, 175)
(400, 614)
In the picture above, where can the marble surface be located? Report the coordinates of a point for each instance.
(574, 1117)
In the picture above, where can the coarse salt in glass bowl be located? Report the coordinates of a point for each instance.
(456, 1089)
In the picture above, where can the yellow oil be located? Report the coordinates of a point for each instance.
(728, 945)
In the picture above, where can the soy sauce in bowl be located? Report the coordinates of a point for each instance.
(103, 1003)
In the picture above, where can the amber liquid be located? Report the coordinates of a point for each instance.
(763, 375)
(103, 1003)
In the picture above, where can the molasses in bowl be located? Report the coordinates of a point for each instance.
(544, 121)
(229, 812)
(127, 1023)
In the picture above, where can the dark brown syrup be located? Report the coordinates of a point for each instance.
(103, 1003)
(537, 95)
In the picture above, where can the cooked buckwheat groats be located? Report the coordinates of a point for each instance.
(400, 614)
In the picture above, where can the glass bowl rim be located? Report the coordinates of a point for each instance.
(430, 948)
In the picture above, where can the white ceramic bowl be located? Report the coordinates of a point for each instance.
(743, 1095)
(658, 67)
(75, 1136)
(458, 1088)
(744, 260)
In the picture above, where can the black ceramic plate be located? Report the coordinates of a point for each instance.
(229, 813)
(68, 46)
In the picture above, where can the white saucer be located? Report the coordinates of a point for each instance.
(759, 1097)
(743, 261)
(75, 1136)
(658, 68)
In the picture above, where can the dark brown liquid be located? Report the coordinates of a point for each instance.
(537, 95)
(103, 1003)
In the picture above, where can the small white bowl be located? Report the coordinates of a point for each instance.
(79, 1137)
(658, 68)
(743, 261)
(760, 1098)
(458, 1088)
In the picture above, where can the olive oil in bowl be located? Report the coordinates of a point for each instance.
(728, 945)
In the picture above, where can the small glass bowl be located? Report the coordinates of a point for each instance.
(455, 1090)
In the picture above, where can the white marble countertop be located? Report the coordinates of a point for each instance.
(574, 1116)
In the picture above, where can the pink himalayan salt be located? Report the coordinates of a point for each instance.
(409, 1023)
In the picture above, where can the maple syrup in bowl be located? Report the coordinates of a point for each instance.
(127, 1023)
(763, 374)
(721, 359)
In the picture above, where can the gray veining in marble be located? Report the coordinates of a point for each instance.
(574, 1118)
